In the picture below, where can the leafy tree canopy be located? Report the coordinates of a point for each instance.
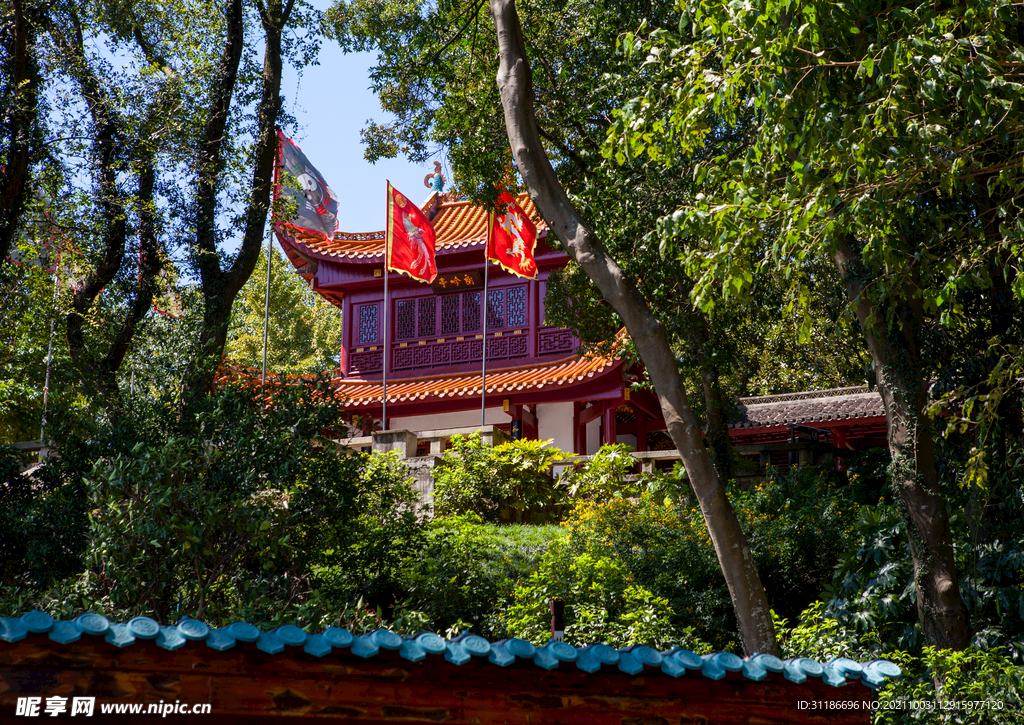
(896, 127)
(304, 331)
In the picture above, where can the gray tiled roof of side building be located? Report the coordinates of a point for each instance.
(809, 407)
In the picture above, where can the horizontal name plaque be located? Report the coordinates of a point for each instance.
(457, 282)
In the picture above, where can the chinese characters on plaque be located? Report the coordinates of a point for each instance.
(457, 282)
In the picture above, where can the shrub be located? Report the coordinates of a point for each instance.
(630, 572)
(944, 687)
(603, 476)
(938, 687)
(874, 586)
(507, 482)
(466, 573)
(249, 514)
(357, 530)
(798, 525)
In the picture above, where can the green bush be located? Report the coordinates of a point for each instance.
(509, 482)
(652, 554)
(358, 530)
(630, 572)
(602, 476)
(938, 687)
(944, 687)
(873, 590)
(249, 513)
(465, 574)
(43, 518)
(798, 524)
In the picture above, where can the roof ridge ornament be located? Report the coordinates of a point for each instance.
(435, 181)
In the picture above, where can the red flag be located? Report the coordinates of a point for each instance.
(410, 239)
(513, 237)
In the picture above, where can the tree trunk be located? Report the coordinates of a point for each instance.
(698, 339)
(220, 287)
(515, 85)
(19, 117)
(894, 348)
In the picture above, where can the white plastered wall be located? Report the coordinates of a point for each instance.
(627, 438)
(440, 421)
(593, 436)
(554, 421)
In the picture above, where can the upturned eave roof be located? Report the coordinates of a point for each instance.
(562, 373)
(458, 224)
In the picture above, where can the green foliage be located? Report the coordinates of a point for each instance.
(465, 575)
(630, 572)
(251, 514)
(873, 591)
(304, 331)
(508, 482)
(29, 309)
(938, 687)
(356, 538)
(164, 534)
(603, 476)
(851, 125)
(945, 687)
(44, 515)
(654, 552)
(130, 92)
(579, 80)
(817, 636)
(798, 525)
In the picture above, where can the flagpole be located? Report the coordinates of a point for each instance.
(49, 354)
(384, 359)
(483, 366)
(266, 306)
(53, 328)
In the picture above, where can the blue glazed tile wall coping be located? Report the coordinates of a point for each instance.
(675, 662)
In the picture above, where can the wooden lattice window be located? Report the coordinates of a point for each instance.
(405, 320)
(516, 307)
(450, 314)
(506, 308)
(471, 311)
(427, 317)
(496, 309)
(368, 323)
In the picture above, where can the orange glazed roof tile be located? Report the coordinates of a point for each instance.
(565, 372)
(458, 224)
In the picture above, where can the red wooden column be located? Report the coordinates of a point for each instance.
(579, 436)
(525, 417)
(641, 428)
(609, 424)
(348, 316)
(531, 427)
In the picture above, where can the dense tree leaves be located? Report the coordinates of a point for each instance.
(885, 140)
(20, 113)
(160, 132)
(304, 333)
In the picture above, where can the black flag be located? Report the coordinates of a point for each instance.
(317, 204)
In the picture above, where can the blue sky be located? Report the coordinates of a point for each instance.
(332, 102)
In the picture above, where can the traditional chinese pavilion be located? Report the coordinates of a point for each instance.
(536, 385)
